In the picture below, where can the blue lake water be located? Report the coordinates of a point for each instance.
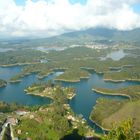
(115, 55)
(82, 103)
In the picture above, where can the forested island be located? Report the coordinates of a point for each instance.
(49, 90)
(72, 61)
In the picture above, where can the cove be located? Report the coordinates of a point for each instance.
(15, 92)
(81, 104)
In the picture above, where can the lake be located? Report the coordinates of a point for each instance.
(115, 55)
(82, 103)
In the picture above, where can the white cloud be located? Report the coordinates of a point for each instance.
(50, 17)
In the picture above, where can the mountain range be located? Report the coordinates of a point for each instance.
(98, 35)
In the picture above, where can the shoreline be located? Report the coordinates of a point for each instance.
(114, 81)
(36, 94)
(70, 98)
(115, 94)
(3, 83)
(120, 81)
(72, 81)
(43, 76)
(15, 81)
(64, 80)
(18, 64)
(93, 121)
(1, 86)
(48, 96)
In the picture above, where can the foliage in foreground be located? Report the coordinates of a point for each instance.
(124, 131)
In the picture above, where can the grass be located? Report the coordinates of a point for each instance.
(106, 112)
(104, 108)
(37, 128)
(129, 110)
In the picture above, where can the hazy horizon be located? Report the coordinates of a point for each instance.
(44, 18)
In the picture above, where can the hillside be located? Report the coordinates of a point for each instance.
(97, 35)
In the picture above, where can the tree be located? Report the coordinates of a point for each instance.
(124, 131)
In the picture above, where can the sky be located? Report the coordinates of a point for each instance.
(43, 18)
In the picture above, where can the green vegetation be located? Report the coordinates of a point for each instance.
(20, 57)
(73, 60)
(109, 111)
(2, 83)
(122, 132)
(3, 117)
(58, 120)
(129, 110)
(133, 92)
(49, 90)
(50, 123)
(6, 108)
(53, 122)
(135, 52)
(131, 74)
(73, 75)
(106, 112)
(9, 108)
(103, 109)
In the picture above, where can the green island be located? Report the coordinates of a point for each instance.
(73, 75)
(106, 111)
(49, 90)
(3, 83)
(73, 60)
(129, 74)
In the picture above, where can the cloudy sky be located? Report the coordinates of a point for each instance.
(50, 17)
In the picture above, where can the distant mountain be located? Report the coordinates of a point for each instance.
(98, 35)
(109, 34)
